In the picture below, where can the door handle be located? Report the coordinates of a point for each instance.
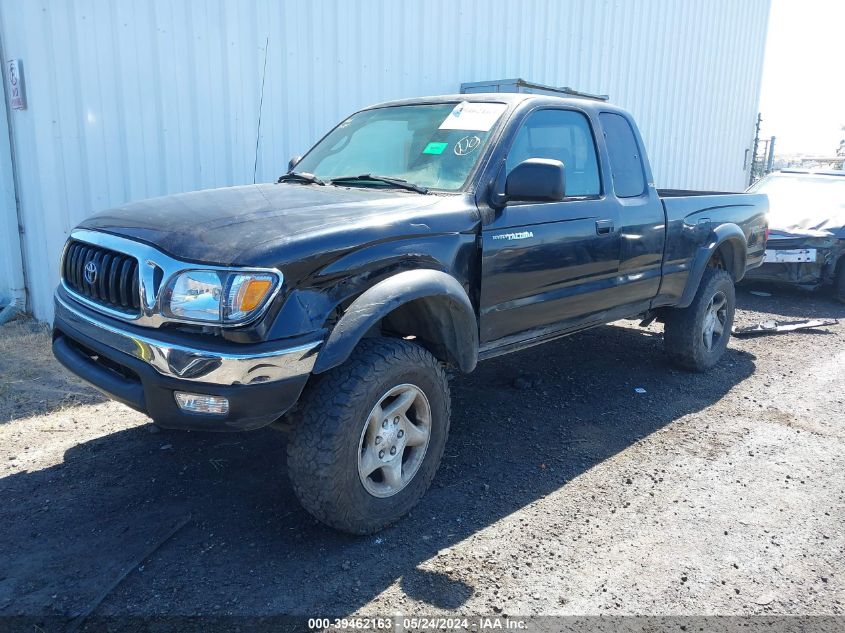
(604, 227)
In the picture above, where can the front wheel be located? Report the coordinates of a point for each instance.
(370, 436)
(696, 337)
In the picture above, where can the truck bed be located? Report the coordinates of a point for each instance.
(683, 193)
(696, 218)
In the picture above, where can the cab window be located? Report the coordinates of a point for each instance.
(562, 135)
(625, 162)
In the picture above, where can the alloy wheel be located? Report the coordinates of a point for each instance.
(394, 440)
(715, 318)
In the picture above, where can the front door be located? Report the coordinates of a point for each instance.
(550, 266)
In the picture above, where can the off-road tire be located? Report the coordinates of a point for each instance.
(324, 443)
(683, 334)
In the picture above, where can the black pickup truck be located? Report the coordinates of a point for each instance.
(416, 236)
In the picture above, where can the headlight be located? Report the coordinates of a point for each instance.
(218, 296)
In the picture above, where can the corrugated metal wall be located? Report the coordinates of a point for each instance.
(11, 275)
(132, 99)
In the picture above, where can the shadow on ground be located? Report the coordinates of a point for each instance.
(523, 426)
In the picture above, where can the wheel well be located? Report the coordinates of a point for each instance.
(428, 305)
(728, 256)
(430, 322)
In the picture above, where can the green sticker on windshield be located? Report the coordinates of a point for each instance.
(435, 148)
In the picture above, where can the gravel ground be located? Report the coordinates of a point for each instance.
(562, 491)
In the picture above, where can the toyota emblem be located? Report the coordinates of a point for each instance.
(91, 272)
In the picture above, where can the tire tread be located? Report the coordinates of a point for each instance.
(681, 338)
(318, 439)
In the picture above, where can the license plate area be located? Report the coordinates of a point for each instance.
(790, 255)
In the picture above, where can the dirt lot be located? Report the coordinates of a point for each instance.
(562, 491)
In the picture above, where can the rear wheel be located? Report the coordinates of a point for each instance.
(696, 337)
(370, 436)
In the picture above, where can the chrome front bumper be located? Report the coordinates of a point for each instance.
(188, 363)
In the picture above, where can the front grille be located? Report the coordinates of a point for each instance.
(115, 276)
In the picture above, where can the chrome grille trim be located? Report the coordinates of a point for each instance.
(116, 276)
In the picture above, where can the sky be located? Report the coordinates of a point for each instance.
(802, 98)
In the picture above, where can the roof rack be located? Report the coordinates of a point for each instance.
(521, 85)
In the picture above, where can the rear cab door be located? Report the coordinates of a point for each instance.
(642, 231)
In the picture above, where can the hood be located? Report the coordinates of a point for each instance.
(252, 224)
(820, 224)
(802, 215)
(798, 238)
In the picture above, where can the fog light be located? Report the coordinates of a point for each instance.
(202, 403)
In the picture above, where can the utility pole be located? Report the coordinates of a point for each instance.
(771, 159)
(754, 151)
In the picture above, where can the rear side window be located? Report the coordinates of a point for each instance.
(625, 161)
(562, 135)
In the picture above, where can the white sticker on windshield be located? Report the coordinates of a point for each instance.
(478, 117)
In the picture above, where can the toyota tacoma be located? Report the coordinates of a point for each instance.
(416, 236)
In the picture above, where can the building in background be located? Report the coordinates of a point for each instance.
(128, 100)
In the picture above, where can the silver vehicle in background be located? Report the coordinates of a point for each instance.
(807, 229)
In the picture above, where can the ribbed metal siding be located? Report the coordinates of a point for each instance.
(135, 99)
(11, 277)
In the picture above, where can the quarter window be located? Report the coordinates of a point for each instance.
(626, 165)
(562, 135)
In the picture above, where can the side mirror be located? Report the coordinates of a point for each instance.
(293, 162)
(536, 180)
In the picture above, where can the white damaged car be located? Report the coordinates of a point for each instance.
(806, 245)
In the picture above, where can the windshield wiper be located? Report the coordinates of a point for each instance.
(301, 176)
(396, 182)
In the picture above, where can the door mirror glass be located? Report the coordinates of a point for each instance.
(293, 162)
(536, 180)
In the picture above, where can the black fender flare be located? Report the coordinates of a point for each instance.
(451, 309)
(722, 234)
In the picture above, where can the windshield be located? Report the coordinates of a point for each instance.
(827, 190)
(798, 192)
(433, 146)
(804, 201)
